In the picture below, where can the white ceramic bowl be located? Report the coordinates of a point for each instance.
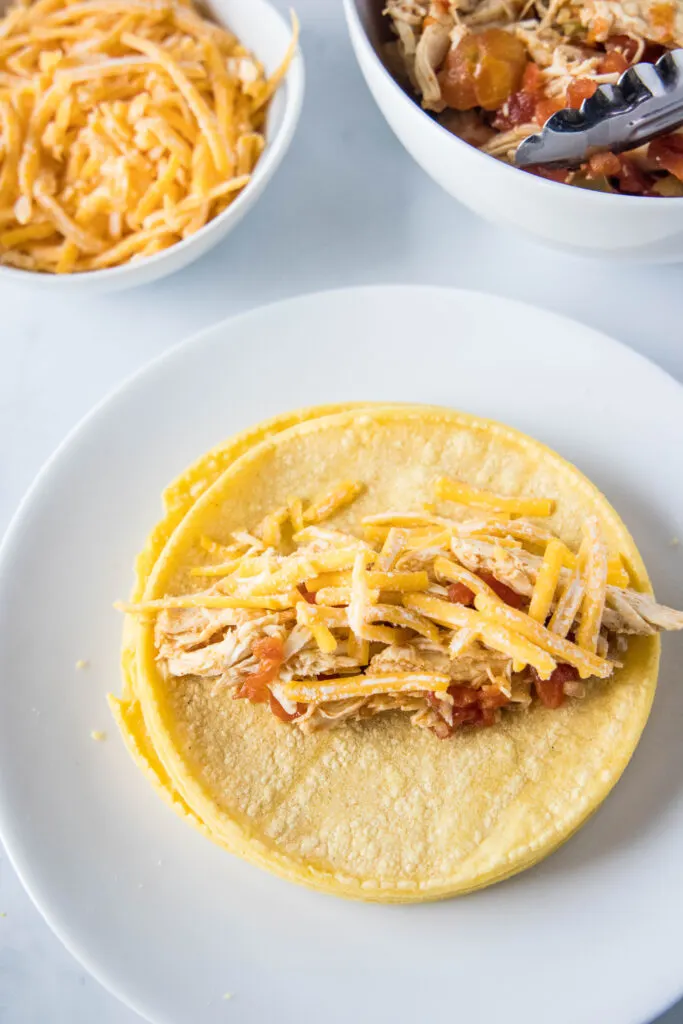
(267, 34)
(633, 228)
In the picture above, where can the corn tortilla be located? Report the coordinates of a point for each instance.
(376, 810)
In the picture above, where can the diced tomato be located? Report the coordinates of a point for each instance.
(254, 688)
(551, 173)
(463, 696)
(631, 179)
(624, 45)
(458, 593)
(667, 152)
(470, 706)
(531, 79)
(492, 697)
(466, 716)
(550, 692)
(279, 712)
(566, 673)
(545, 108)
(519, 109)
(306, 594)
(604, 165)
(269, 652)
(505, 593)
(579, 90)
(613, 63)
(442, 730)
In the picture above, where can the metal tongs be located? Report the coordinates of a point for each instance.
(646, 102)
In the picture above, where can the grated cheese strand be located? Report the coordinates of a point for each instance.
(327, 504)
(448, 489)
(364, 686)
(497, 637)
(567, 607)
(126, 125)
(594, 579)
(206, 120)
(359, 598)
(306, 616)
(391, 549)
(547, 581)
(447, 570)
(563, 650)
(273, 601)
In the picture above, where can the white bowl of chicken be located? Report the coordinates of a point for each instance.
(462, 82)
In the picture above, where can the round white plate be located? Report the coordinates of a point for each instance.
(171, 923)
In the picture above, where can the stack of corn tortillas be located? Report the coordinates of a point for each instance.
(375, 809)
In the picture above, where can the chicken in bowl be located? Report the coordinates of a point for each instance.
(493, 71)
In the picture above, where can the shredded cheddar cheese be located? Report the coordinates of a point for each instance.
(124, 129)
(273, 601)
(364, 685)
(441, 618)
(617, 576)
(394, 544)
(546, 581)
(567, 606)
(588, 664)
(447, 489)
(406, 582)
(325, 505)
(307, 616)
(498, 637)
(360, 597)
(448, 570)
(594, 578)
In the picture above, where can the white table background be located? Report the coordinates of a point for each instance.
(348, 207)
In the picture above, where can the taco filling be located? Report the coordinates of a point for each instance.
(493, 72)
(454, 614)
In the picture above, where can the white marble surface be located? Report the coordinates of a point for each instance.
(348, 207)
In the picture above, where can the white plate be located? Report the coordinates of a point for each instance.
(171, 923)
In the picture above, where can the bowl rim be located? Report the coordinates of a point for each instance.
(292, 89)
(589, 195)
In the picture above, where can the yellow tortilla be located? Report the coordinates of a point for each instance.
(177, 499)
(377, 809)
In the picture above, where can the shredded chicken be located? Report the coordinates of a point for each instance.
(427, 615)
(430, 53)
(491, 12)
(311, 663)
(568, 42)
(407, 12)
(514, 567)
(504, 145)
(191, 627)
